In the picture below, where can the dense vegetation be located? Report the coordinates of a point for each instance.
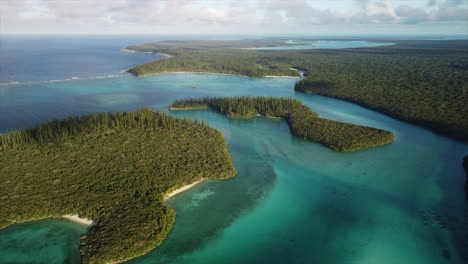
(428, 91)
(424, 82)
(229, 62)
(303, 122)
(168, 46)
(113, 168)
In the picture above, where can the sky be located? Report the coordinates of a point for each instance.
(261, 17)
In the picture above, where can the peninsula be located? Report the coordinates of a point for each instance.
(424, 82)
(302, 121)
(112, 168)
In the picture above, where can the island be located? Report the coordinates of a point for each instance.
(424, 82)
(231, 57)
(302, 121)
(111, 170)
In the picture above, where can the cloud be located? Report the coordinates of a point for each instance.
(150, 15)
(431, 3)
(375, 12)
(384, 12)
(451, 10)
(410, 15)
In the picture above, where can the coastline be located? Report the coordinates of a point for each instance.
(228, 74)
(75, 218)
(156, 73)
(279, 76)
(165, 55)
(70, 217)
(182, 189)
(188, 108)
(89, 223)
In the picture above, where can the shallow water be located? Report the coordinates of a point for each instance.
(328, 44)
(292, 201)
(45, 241)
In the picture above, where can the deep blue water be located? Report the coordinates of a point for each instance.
(292, 201)
(33, 58)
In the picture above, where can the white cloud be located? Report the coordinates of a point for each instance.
(124, 16)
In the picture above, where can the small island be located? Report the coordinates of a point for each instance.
(302, 121)
(115, 169)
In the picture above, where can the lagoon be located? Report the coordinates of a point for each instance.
(292, 201)
(327, 44)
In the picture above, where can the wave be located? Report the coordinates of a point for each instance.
(74, 78)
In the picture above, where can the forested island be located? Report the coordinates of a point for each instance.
(423, 82)
(113, 168)
(302, 121)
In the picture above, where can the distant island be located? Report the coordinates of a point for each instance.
(424, 82)
(302, 121)
(226, 57)
(114, 169)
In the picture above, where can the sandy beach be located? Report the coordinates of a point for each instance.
(196, 73)
(77, 219)
(181, 189)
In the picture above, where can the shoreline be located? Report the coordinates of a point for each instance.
(182, 189)
(279, 76)
(75, 218)
(216, 73)
(165, 55)
(170, 72)
(188, 108)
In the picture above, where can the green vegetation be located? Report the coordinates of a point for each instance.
(302, 121)
(113, 168)
(423, 82)
(426, 91)
(191, 45)
(230, 62)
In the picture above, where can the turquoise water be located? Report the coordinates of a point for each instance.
(328, 44)
(292, 201)
(45, 241)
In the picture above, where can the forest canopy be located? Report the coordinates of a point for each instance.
(113, 168)
(302, 121)
(421, 81)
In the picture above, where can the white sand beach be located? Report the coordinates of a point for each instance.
(77, 219)
(180, 190)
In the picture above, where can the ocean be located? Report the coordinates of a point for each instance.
(293, 201)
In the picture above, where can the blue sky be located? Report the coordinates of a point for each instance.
(319, 17)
